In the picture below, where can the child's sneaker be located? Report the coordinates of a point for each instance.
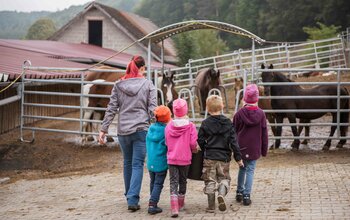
(239, 197)
(246, 200)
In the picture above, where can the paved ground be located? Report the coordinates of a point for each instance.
(310, 191)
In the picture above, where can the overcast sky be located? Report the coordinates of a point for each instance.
(38, 5)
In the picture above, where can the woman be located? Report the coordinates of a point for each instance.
(134, 98)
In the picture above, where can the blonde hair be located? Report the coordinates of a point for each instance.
(214, 103)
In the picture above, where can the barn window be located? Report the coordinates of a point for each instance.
(95, 32)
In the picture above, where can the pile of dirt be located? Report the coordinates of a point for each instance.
(53, 155)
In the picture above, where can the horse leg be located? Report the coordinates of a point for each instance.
(307, 130)
(87, 114)
(300, 129)
(279, 119)
(203, 98)
(333, 128)
(307, 133)
(296, 142)
(344, 118)
(272, 120)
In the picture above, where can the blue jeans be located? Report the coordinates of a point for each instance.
(245, 177)
(133, 147)
(156, 185)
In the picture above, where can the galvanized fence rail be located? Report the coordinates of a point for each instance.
(27, 122)
(78, 129)
(314, 54)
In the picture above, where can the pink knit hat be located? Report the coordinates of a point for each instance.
(251, 94)
(180, 107)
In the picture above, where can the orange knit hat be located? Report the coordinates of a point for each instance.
(162, 114)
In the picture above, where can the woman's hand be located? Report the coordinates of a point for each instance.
(102, 137)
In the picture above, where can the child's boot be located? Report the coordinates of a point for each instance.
(153, 208)
(181, 199)
(246, 200)
(221, 197)
(174, 203)
(211, 203)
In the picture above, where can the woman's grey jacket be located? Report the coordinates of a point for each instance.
(134, 100)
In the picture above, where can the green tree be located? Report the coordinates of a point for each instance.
(209, 43)
(321, 32)
(161, 12)
(186, 47)
(199, 44)
(41, 29)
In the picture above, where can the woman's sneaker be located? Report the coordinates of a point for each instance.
(246, 200)
(239, 197)
(154, 209)
(133, 208)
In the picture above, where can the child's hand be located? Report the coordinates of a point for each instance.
(240, 163)
(195, 151)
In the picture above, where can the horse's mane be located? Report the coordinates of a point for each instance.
(281, 77)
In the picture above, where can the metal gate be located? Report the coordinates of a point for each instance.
(34, 122)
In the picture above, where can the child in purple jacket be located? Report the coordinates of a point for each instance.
(250, 126)
(181, 139)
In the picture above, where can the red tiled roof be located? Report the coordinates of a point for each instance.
(54, 54)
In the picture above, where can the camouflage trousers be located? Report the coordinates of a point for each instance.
(215, 173)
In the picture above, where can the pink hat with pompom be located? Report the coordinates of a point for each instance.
(251, 94)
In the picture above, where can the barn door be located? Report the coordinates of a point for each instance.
(95, 32)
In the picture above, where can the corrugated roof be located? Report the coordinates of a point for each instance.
(54, 54)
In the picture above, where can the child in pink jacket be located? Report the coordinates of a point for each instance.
(181, 139)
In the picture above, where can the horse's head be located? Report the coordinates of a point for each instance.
(238, 84)
(214, 77)
(168, 86)
(267, 77)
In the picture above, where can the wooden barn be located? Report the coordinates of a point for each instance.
(108, 27)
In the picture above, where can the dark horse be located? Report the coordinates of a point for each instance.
(167, 85)
(206, 79)
(296, 90)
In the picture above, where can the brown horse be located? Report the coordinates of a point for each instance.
(96, 101)
(206, 80)
(237, 87)
(322, 104)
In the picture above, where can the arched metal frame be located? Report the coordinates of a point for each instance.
(168, 31)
